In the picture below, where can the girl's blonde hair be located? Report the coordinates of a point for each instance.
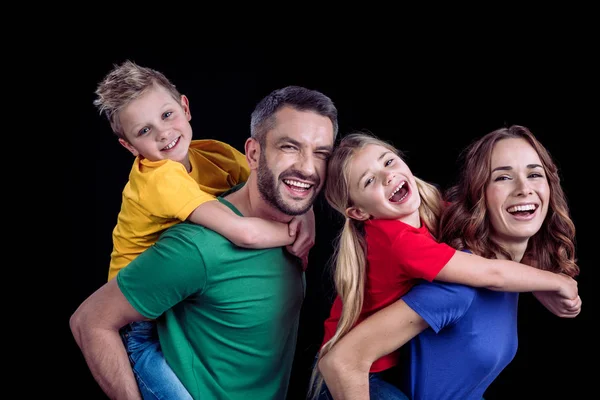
(350, 256)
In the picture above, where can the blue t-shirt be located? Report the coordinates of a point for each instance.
(473, 337)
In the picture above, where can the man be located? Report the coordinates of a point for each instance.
(227, 316)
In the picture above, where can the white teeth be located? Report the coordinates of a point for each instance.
(171, 145)
(396, 190)
(526, 207)
(297, 184)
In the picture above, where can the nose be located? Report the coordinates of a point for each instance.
(522, 187)
(388, 177)
(164, 132)
(307, 164)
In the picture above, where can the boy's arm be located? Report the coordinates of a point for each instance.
(304, 228)
(504, 275)
(346, 366)
(248, 232)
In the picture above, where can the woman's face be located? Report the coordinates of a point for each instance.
(517, 193)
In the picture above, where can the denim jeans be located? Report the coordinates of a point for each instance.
(379, 389)
(155, 378)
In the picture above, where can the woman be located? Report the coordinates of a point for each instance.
(508, 206)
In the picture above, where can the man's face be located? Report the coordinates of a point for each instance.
(292, 167)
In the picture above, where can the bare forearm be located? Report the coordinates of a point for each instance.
(95, 328)
(346, 367)
(515, 277)
(247, 232)
(345, 379)
(502, 275)
(257, 233)
(108, 362)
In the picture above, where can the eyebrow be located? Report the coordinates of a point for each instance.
(509, 168)
(378, 159)
(299, 144)
(136, 128)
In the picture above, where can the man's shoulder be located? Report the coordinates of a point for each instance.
(191, 232)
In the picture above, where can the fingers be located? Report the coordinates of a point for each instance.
(303, 256)
(570, 307)
(304, 262)
(293, 226)
(300, 247)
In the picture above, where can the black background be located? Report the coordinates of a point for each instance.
(429, 100)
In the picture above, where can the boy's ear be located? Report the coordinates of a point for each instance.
(185, 104)
(129, 147)
(252, 150)
(357, 213)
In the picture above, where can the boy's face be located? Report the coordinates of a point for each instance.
(157, 126)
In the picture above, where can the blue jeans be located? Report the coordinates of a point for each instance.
(155, 378)
(379, 389)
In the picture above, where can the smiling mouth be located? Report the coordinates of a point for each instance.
(172, 144)
(522, 209)
(297, 185)
(399, 193)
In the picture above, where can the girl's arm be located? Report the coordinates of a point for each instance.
(346, 366)
(504, 275)
(559, 306)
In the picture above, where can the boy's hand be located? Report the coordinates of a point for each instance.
(303, 227)
(558, 305)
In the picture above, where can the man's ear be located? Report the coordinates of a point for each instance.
(252, 150)
(185, 104)
(129, 147)
(357, 213)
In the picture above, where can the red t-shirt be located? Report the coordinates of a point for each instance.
(398, 255)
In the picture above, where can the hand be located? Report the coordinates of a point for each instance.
(568, 287)
(558, 305)
(303, 227)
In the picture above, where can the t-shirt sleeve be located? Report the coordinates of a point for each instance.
(229, 159)
(239, 170)
(172, 193)
(420, 255)
(164, 274)
(440, 304)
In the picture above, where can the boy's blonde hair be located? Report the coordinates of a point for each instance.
(125, 83)
(351, 253)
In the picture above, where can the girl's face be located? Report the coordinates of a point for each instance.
(381, 186)
(517, 194)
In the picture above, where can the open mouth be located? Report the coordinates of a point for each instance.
(172, 144)
(297, 186)
(400, 193)
(522, 209)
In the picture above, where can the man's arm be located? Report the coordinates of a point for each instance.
(95, 326)
(346, 366)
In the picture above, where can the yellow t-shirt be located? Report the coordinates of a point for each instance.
(162, 193)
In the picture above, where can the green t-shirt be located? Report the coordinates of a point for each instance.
(227, 316)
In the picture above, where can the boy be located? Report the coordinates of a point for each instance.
(174, 179)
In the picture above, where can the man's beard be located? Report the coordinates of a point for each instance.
(267, 187)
